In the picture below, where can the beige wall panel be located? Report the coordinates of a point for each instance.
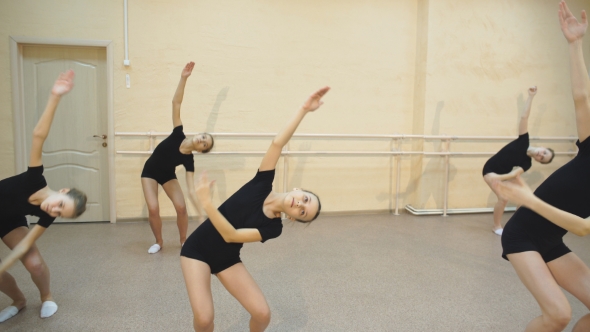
(482, 57)
(256, 63)
(258, 60)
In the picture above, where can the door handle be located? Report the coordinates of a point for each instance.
(100, 136)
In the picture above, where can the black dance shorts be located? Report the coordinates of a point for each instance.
(10, 223)
(217, 263)
(515, 242)
(161, 178)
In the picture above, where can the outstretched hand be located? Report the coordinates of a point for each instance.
(64, 83)
(532, 91)
(187, 70)
(314, 101)
(571, 28)
(515, 190)
(203, 188)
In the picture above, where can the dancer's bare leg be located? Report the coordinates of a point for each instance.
(498, 213)
(239, 283)
(538, 279)
(174, 192)
(33, 262)
(150, 192)
(500, 204)
(9, 287)
(574, 276)
(197, 276)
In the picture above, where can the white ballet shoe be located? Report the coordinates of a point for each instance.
(48, 308)
(8, 313)
(499, 231)
(154, 249)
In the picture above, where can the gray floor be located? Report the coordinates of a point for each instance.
(341, 273)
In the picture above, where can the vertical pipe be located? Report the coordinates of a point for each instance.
(398, 175)
(446, 200)
(285, 171)
(126, 60)
(391, 198)
(152, 138)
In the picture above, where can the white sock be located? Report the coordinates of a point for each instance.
(48, 308)
(499, 231)
(154, 249)
(8, 312)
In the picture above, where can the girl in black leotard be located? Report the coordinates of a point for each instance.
(160, 168)
(514, 158)
(28, 194)
(252, 214)
(533, 237)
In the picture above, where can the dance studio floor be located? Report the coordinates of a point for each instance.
(341, 273)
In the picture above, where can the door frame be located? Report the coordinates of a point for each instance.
(16, 71)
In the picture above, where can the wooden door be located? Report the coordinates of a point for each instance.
(73, 154)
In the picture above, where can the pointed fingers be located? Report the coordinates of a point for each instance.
(567, 10)
(321, 92)
(584, 18)
(561, 19)
(69, 76)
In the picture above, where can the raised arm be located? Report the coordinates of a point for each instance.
(229, 233)
(274, 151)
(179, 94)
(574, 32)
(22, 247)
(63, 84)
(190, 184)
(523, 126)
(518, 192)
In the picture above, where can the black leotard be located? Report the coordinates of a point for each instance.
(14, 200)
(243, 210)
(567, 189)
(161, 165)
(513, 154)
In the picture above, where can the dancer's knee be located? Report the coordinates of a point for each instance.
(558, 319)
(261, 315)
(35, 265)
(154, 210)
(181, 210)
(203, 322)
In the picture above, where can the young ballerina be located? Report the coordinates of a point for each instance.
(160, 169)
(28, 194)
(513, 159)
(533, 237)
(251, 214)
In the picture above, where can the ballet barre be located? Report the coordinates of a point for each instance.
(395, 151)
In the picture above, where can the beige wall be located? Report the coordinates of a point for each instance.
(454, 67)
